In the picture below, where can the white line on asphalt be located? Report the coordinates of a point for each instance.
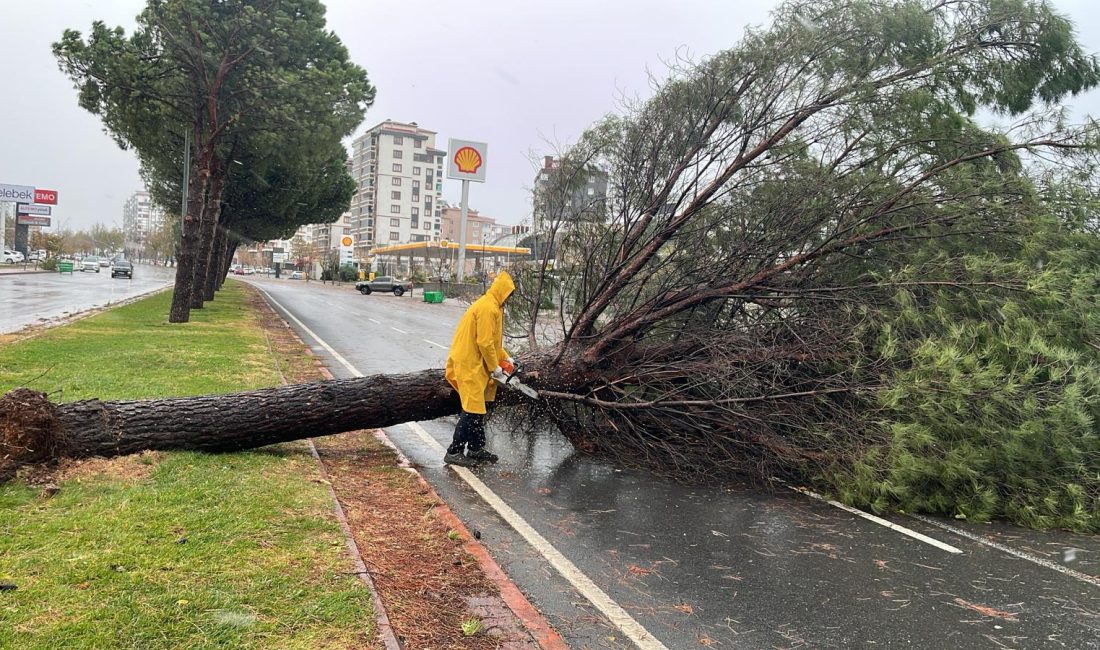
(879, 520)
(614, 613)
(334, 353)
(438, 345)
(1043, 562)
(397, 330)
(376, 322)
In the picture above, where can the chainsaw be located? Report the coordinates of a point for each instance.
(507, 377)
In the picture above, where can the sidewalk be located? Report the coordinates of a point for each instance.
(19, 269)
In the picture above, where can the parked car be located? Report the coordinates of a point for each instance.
(11, 257)
(297, 275)
(37, 256)
(122, 267)
(90, 263)
(384, 283)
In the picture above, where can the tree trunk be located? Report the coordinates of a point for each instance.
(180, 311)
(227, 261)
(217, 262)
(207, 231)
(32, 429)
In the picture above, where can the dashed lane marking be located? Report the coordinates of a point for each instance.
(398, 330)
(879, 520)
(1043, 562)
(438, 345)
(376, 322)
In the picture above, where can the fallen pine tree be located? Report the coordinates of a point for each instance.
(812, 261)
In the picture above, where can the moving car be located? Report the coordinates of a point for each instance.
(90, 263)
(104, 262)
(122, 267)
(384, 283)
(297, 275)
(11, 257)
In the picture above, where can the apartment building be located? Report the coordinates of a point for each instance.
(399, 174)
(480, 229)
(140, 218)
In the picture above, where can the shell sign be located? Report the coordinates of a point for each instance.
(466, 161)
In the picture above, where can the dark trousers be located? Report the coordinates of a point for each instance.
(469, 433)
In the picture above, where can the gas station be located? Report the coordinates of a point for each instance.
(441, 258)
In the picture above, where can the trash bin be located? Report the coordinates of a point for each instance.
(65, 267)
(433, 296)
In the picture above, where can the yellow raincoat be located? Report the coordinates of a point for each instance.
(477, 348)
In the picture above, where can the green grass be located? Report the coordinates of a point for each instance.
(133, 352)
(180, 550)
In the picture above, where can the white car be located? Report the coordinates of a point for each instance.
(11, 257)
(90, 263)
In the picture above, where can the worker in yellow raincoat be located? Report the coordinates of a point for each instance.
(477, 351)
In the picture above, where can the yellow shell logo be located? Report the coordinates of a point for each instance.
(346, 241)
(468, 160)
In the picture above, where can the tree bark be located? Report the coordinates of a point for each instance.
(207, 230)
(217, 262)
(180, 311)
(33, 429)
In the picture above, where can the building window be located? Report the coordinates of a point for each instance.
(395, 236)
(415, 212)
(396, 196)
(395, 223)
(396, 209)
(397, 154)
(591, 191)
(416, 144)
(396, 180)
(347, 231)
(398, 139)
(397, 167)
(416, 171)
(427, 225)
(416, 185)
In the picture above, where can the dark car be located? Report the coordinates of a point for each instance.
(122, 267)
(384, 283)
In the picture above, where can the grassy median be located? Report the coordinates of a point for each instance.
(170, 550)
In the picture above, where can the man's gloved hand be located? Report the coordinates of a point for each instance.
(499, 375)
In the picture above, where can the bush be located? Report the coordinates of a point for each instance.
(49, 264)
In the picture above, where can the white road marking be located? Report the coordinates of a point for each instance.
(326, 346)
(1043, 562)
(438, 345)
(376, 322)
(879, 520)
(582, 583)
(397, 330)
(614, 613)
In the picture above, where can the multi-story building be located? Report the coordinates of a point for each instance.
(399, 174)
(480, 229)
(583, 199)
(140, 218)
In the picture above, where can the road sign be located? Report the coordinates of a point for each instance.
(466, 160)
(17, 193)
(30, 220)
(45, 197)
(278, 257)
(34, 209)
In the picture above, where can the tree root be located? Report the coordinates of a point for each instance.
(28, 431)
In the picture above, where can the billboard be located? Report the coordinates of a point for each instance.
(17, 193)
(45, 197)
(31, 220)
(466, 160)
(43, 210)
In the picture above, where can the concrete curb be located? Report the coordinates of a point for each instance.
(537, 625)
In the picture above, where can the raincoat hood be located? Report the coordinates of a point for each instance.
(502, 287)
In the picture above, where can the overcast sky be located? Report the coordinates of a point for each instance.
(522, 76)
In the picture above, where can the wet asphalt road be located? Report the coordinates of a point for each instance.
(706, 566)
(37, 298)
